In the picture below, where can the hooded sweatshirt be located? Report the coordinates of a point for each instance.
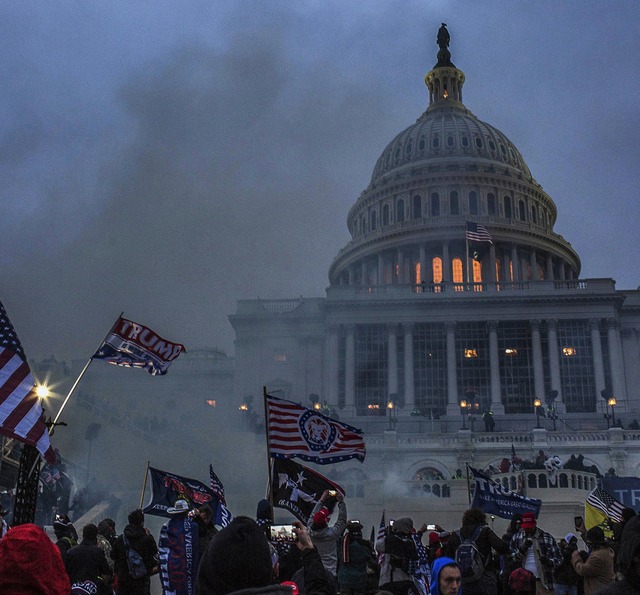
(438, 564)
(30, 563)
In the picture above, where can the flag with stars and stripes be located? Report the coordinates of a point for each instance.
(21, 414)
(478, 233)
(216, 485)
(295, 431)
(601, 508)
(223, 515)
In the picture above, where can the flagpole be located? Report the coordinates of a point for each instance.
(468, 485)
(266, 429)
(64, 403)
(86, 367)
(144, 484)
(466, 243)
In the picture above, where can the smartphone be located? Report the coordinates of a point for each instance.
(578, 522)
(332, 492)
(283, 533)
(431, 527)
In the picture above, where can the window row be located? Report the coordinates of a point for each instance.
(435, 206)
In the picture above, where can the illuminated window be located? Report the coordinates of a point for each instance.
(469, 353)
(568, 351)
(457, 270)
(280, 357)
(510, 351)
(437, 269)
(477, 272)
(498, 269)
(511, 271)
(417, 276)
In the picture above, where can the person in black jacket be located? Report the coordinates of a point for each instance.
(143, 542)
(86, 562)
(474, 522)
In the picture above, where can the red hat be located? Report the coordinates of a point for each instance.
(528, 520)
(31, 563)
(433, 538)
(321, 517)
(521, 580)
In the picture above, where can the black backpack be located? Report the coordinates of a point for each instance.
(135, 563)
(469, 558)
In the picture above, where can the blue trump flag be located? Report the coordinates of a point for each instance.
(493, 498)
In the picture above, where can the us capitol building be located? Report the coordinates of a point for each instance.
(415, 340)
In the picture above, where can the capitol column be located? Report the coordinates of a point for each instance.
(515, 264)
(453, 407)
(533, 260)
(494, 365)
(350, 370)
(423, 265)
(554, 363)
(409, 396)
(598, 362)
(615, 357)
(400, 261)
(538, 370)
(364, 280)
(561, 273)
(333, 364)
(549, 267)
(446, 262)
(491, 277)
(392, 359)
(380, 269)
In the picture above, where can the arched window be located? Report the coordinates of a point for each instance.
(491, 203)
(507, 207)
(534, 214)
(385, 215)
(477, 271)
(417, 206)
(435, 142)
(473, 203)
(436, 266)
(453, 203)
(456, 265)
(498, 270)
(373, 221)
(400, 211)
(435, 205)
(522, 211)
(417, 273)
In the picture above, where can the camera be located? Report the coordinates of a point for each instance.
(282, 533)
(332, 492)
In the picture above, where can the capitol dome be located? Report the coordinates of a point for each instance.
(446, 172)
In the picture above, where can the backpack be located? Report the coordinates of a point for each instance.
(468, 557)
(137, 568)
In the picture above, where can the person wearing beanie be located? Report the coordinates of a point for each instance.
(355, 554)
(446, 578)
(86, 562)
(597, 571)
(31, 563)
(474, 527)
(139, 539)
(399, 550)
(324, 537)
(238, 560)
(537, 551)
(628, 562)
(65, 533)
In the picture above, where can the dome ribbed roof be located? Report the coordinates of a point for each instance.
(452, 135)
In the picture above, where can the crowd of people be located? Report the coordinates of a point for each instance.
(328, 556)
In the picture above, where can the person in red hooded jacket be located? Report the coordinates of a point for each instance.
(31, 563)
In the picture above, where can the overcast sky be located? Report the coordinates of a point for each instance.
(168, 158)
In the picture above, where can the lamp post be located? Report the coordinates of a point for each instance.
(607, 395)
(391, 408)
(551, 407)
(463, 411)
(611, 401)
(537, 403)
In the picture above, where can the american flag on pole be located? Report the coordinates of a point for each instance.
(295, 431)
(223, 515)
(136, 346)
(21, 414)
(477, 233)
(606, 503)
(382, 529)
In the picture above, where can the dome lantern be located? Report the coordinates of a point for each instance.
(445, 80)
